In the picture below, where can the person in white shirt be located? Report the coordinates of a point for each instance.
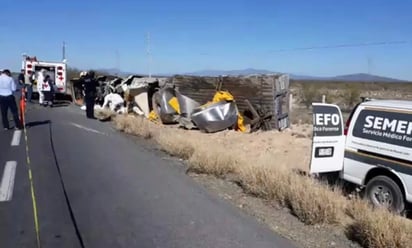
(40, 82)
(7, 100)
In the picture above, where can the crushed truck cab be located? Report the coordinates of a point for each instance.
(373, 149)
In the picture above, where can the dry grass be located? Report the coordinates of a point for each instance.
(313, 202)
(175, 144)
(134, 125)
(104, 114)
(378, 228)
(213, 160)
(263, 181)
(310, 201)
(267, 176)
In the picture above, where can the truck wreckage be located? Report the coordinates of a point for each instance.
(159, 100)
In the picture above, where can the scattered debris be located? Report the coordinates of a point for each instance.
(261, 119)
(216, 116)
(159, 100)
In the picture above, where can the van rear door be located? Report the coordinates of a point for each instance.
(328, 141)
(61, 77)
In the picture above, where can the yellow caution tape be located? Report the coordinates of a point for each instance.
(33, 196)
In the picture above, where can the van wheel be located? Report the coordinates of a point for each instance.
(382, 191)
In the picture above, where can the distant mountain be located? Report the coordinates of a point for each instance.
(214, 73)
(113, 71)
(364, 77)
(359, 77)
(120, 73)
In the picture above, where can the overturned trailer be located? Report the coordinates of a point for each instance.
(268, 95)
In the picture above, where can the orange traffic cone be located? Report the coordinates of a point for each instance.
(22, 107)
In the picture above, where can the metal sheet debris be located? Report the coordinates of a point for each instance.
(216, 116)
(161, 106)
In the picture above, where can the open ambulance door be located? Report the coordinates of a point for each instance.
(328, 141)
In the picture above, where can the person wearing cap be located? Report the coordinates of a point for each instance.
(90, 93)
(7, 100)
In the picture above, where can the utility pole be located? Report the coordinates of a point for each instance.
(64, 51)
(117, 61)
(369, 65)
(149, 58)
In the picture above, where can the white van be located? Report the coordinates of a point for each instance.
(56, 70)
(373, 150)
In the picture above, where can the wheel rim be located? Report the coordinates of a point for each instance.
(382, 196)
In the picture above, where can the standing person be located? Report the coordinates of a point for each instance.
(40, 82)
(90, 92)
(28, 85)
(48, 91)
(19, 86)
(21, 77)
(7, 100)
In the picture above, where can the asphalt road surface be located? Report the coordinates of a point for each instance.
(96, 187)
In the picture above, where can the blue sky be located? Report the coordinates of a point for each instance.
(191, 35)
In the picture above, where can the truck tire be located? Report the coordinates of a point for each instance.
(382, 191)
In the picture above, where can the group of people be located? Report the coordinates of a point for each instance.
(10, 93)
(45, 86)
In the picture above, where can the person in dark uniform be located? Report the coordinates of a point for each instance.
(90, 93)
(48, 95)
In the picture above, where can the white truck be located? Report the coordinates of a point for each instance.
(56, 70)
(373, 150)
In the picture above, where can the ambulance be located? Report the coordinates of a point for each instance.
(56, 70)
(373, 150)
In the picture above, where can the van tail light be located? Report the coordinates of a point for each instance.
(345, 130)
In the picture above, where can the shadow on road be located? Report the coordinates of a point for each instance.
(57, 104)
(37, 123)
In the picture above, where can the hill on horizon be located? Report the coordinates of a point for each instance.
(358, 77)
(355, 77)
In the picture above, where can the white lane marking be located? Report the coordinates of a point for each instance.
(16, 138)
(7, 182)
(86, 128)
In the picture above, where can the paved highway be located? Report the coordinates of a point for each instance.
(96, 187)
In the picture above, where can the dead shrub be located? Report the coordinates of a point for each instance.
(313, 202)
(309, 94)
(133, 125)
(104, 114)
(175, 144)
(265, 182)
(120, 122)
(352, 96)
(212, 160)
(378, 227)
